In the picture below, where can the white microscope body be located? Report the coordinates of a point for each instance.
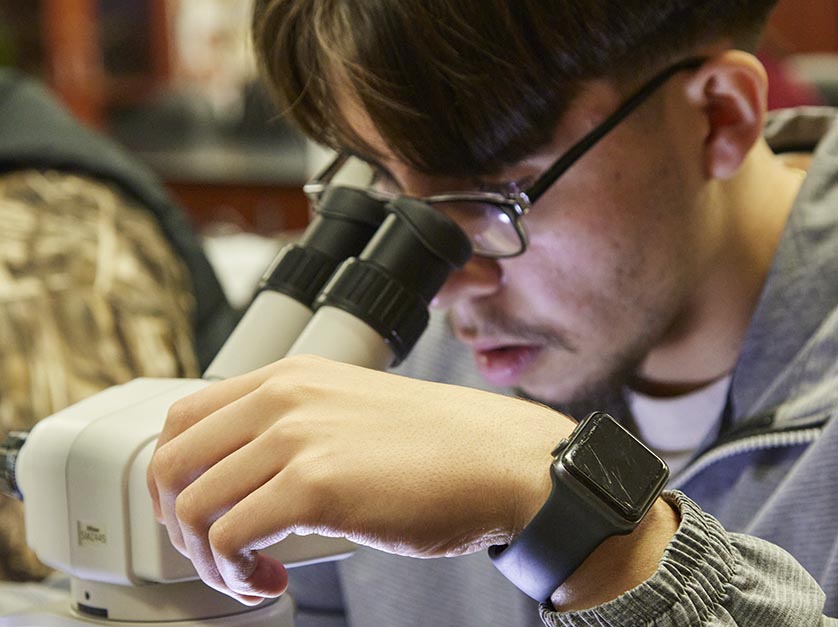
(82, 471)
(89, 514)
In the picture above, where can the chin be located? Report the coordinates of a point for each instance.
(574, 393)
(551, 393)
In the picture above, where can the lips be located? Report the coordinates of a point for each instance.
(504, 366)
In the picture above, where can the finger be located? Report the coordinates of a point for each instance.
(214, 494)
(191, 409)
(263, 518)
(182, 460)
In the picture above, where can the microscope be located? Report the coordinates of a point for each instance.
(354, 288)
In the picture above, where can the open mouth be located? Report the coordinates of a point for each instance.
(504, 366)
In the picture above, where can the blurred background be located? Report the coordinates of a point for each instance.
(174, 81)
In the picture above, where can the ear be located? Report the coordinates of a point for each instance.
(730, 90)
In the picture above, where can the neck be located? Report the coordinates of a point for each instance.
(743, 219)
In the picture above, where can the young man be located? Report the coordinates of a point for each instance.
(639, 248)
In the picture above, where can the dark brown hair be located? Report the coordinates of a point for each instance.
(466, 87)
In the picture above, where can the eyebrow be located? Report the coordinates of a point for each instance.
(502, 188)
(478, 183)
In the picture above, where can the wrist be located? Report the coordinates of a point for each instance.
(620, 563)
(604, 482)
(534, 487)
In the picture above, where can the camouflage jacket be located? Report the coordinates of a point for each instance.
(91, 295)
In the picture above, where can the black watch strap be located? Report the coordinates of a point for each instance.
(553, 544)
(604, 481)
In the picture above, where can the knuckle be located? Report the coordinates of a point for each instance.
(319, 486)
(276, 388)
(286, 392)
(223, 539)
(303, 367)
(304, 363)
(188, 510)
(163, 466)
(181, 414)
(296, 379)
(291, 434)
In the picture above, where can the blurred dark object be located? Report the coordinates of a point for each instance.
(245, 169)
(92, 53)
(175, 117)
(184, 117)
(127, 39)
(259, 120)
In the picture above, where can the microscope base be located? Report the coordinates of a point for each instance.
(278, 614)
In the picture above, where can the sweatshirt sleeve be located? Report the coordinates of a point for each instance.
(708, 576)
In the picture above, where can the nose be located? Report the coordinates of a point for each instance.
(479, 277)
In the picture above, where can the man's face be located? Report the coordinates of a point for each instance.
(613, 249)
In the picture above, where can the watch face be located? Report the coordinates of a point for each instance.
(614, 464)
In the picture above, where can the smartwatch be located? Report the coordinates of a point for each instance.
(604, 481)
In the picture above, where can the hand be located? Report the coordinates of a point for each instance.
(308, 445)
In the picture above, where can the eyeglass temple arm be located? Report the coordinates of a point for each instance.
(588, 141)
(320, 179)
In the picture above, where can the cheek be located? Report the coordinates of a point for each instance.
(604, 265)
(566, 282)
(590, 251)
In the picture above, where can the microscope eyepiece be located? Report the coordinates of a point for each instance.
(345, 221)
(391, 283)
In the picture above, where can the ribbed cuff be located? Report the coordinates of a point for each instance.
(687, 587)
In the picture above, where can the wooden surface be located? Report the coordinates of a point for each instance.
(264, 209)
(74, 64)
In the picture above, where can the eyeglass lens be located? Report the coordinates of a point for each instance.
(490, 229)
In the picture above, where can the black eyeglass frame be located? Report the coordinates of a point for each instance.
(518, 204)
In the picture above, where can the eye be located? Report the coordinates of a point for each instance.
(383, 181)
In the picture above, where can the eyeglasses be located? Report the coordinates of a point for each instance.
(493, 220)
